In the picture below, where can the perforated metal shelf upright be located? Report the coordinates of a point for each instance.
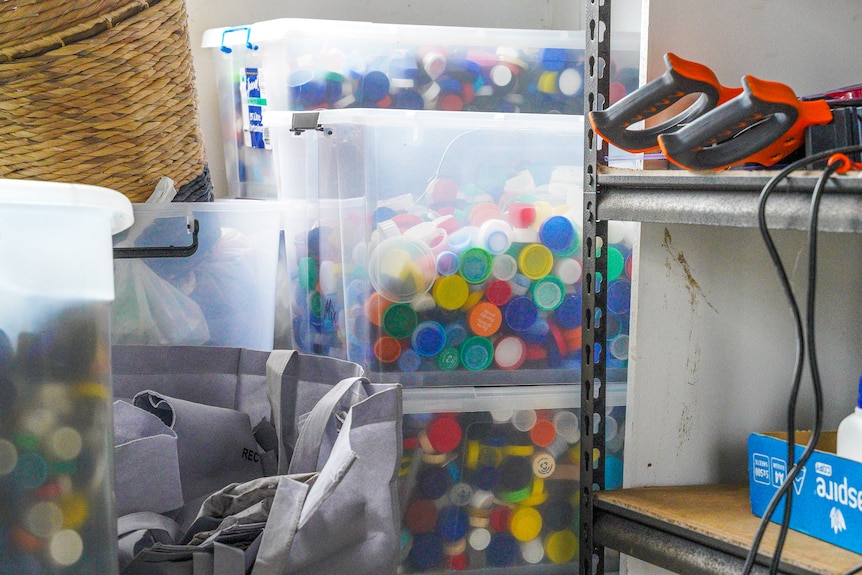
(593, 372)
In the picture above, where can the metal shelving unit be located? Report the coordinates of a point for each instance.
(654, 524)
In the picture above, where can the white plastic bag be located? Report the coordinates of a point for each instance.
(149, 310)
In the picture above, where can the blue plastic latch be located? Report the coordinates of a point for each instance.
(248, 43)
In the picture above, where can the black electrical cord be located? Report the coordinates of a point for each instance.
(785, 491)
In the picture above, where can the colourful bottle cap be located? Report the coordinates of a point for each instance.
(408, 100)
(461, 494)
(616, 263)
(387, 349)
(450, 103)
(548, 293)
(475, 296)
(456, 333)
(510, 352)
(543, 433)
(570, 82)
(498, 292)
(461, 239)
(502, 551)
(520, 450)
(526, 523)
(547, 83)
(568, 313)
(535, 261)
(450, 292)
(444, 434)
(566, 426)
(400, 268)
(516, 474)
(399, 320)
(484, 211)
(553, 59)
(619, 347)
(434, 482)
(521, 214)
(521, 313)
(428, 339)
(524, 420)
(482, 502)
(520, 284)
(409, 361)
(452, 524)
(475, 266)
(501, 516)
(479, 539)
(538, 332)
(427, 551)
(421, 516)
(543, 464)
(496, 236)
(504, 267)
(568, 270)
(561, 546)
(484, 319)
(477, 353)
(374, 86)
(423, 302)
(619, 296)
(448, 359)
(533, 551)
(558, 514)
(613, 472)
(558, 234)
(447, 263)
(486, 478)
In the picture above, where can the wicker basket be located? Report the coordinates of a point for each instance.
(108, 101)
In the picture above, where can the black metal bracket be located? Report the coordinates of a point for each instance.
(162, 251)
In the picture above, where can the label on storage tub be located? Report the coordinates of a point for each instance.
(253, 99)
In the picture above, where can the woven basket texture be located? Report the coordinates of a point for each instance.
(24, 21)
(116, 106)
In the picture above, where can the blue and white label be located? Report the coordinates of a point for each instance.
(253, 100)
(760, 469)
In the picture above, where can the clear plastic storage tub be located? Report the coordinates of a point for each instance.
(428, 245)
(490, 478)
(223, 294)
(56, 438)
(301, 64)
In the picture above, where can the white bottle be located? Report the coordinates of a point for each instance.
(850, 432)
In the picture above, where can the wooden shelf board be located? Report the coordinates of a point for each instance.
(719, 516)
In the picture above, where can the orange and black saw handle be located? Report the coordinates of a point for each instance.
(762, 125)
(681, 78)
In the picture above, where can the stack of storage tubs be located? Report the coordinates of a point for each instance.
(433, 236)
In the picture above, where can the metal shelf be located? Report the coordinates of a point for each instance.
(704, 530)
(727, 199)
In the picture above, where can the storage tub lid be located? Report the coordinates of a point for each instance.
(58, 194)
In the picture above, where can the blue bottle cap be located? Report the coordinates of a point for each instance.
(538, 332)
(477, 353)
(449, 85)
(568, 314)
(409, 361)
(502, 550)
(447, 263)
(434, 482)
(408, 100)
(427, 551)
(452, 523)
(521, 313)
(619, 296)
(428, 339)
(374, 86)
(486, 478)
(613, 472)
(382, 214)
(558, 234)
(554, 59)
(404, 67)
(305, 89)
(456, 333)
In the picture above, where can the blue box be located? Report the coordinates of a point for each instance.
(827, 493)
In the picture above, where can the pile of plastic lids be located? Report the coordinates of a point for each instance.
(493, 286)
(496, 489)
(448, 78)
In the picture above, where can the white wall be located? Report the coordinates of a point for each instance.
(207, 14)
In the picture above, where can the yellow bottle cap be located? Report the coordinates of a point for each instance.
(535, 261)
(526, 523)
(561, 546)
(450, 292)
